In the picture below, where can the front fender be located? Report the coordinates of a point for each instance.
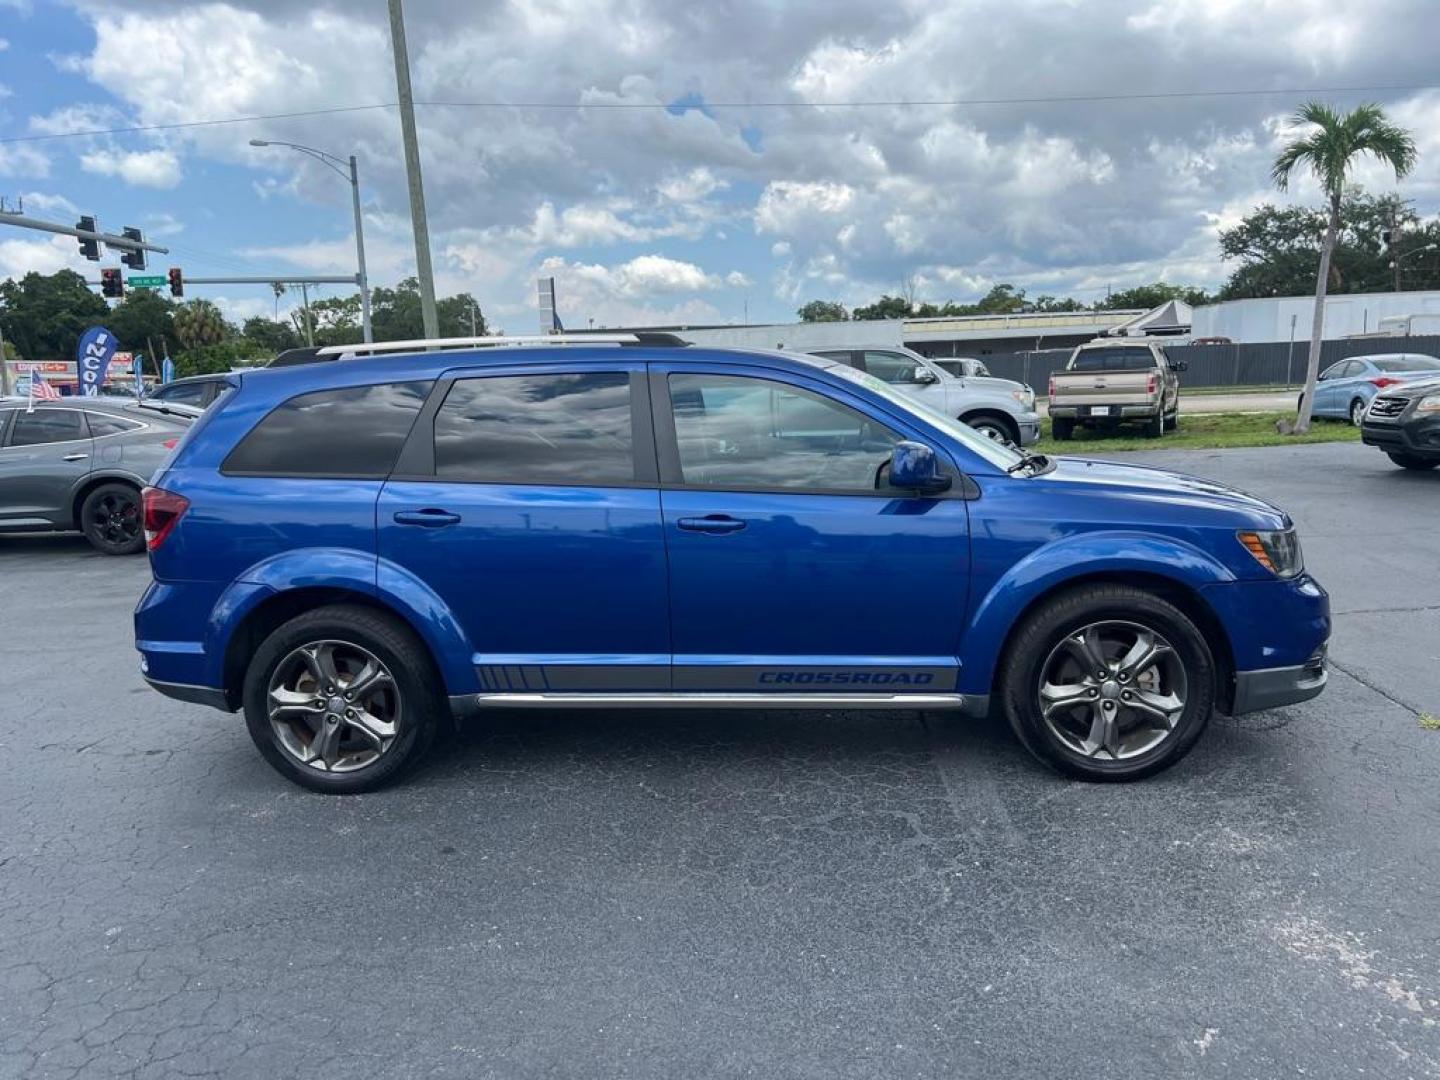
(1066, 559)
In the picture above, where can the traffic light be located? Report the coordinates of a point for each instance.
(111, 284)
(177, 283)
(89, 248)
(133, 259)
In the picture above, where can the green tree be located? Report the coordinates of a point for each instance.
(1152, 296)
(1329, 150)
(199, 323)
(269, 336)
(887, 307)
(453, 313)
(218, 357)
(45, 314)
(142, 320)
(823, 311)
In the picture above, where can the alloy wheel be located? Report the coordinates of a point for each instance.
(1357, 412)
(333, 706)
(115, 519)
(1112, 690)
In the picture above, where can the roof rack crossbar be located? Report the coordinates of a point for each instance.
(417, 344)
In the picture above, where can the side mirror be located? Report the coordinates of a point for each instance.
(1180, 365)
(924, 376)
(914, 466)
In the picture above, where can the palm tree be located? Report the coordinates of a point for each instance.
(199, 322)
(1330, 148)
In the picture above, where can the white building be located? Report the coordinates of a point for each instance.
(1347, 315)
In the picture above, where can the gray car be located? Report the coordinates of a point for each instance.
(79, 464)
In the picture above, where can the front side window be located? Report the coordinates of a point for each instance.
(354, 432)
(740, 432)
(48, 426)
(894, 368)
(571, 430)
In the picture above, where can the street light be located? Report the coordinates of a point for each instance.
(334, 163)
(1396, 260)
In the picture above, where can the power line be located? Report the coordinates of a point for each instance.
(702, 106)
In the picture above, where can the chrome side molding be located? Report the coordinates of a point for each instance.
(710, 700)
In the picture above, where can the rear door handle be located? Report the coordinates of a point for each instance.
(429, 519)
(74, 457)
(716, 524)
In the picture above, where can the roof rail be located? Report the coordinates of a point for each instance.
(417, 344)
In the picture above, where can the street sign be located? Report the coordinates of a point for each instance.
(145, 282)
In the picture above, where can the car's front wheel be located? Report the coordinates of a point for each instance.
(1357, 412)
(342, 699)
(1108, 682)
(111, 520)
(1414, 461)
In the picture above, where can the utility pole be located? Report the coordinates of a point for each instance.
(6, 387)
(423, 269)
(1395, 249)
(305, 305)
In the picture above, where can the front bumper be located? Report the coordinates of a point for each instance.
(1272, 687)
(1029, 425)
(1417, 435)
(193, 695)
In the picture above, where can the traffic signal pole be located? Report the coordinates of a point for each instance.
(110, 240)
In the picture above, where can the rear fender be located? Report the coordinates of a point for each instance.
(1072, 559)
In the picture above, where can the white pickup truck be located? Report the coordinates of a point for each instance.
(1112, 382)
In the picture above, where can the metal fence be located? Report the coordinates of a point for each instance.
(1273, 363)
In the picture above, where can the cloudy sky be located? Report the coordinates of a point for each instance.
(692, 161)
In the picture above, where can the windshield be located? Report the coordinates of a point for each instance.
(995, 453)
(1407, 363)
(1119, 359)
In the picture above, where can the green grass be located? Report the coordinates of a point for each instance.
(1429, 721)
(1199, 433)
(1272, 388)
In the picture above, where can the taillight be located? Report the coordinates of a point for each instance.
(170, 444)
(1384, 381)
(162, 510)
(1150, 383)
(1052, 387)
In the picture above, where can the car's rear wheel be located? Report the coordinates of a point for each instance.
(111, 520)
(1108, 682)
(1155, 426)
(342, 699)
(1357, 411)
(1062, 430)
(1413, 461)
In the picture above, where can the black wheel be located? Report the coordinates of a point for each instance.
(1357, 412)
(994, 428)
(1411, 461)
(1155, 426)
(342, 699)
(1108, 682)
(1172, 423)
(110, 518)
(1062, 430)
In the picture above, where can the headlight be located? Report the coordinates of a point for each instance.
(1025, 397)
(1429, 403)
(1278, 551)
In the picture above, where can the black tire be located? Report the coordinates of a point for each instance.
(1062, 430)
(1155, 426)
(1173, 422)
(110, 518)
(1042, 633)
(1412, 461)
(992, 426)
(420, 704)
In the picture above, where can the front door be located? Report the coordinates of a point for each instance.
(793, 565)
(45, 454)
(533, 512)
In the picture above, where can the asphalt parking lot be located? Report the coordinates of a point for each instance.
(769, 894)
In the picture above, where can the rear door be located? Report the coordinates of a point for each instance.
(45, 454)
(905, 374)
(793, 565)
(526, 498)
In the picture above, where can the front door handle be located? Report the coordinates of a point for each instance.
(74, 457)
(429, 518)
(716, 524)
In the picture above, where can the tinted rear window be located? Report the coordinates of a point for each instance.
(537, 429)
(355, 432)
(102, 424)
(1113, 360)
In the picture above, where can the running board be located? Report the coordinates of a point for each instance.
(469, 703)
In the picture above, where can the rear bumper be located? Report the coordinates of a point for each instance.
(1082, 412)
(1272, 687)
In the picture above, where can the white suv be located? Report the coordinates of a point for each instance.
(1002, 409)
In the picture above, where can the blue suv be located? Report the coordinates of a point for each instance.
(357, 553)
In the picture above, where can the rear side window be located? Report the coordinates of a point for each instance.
(102, 424)
(354, 432)
(48, 426)
(1113, 360)
(564, 429)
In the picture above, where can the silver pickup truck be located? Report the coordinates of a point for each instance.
(1110, 382)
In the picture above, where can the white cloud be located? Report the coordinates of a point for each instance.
(143, 168)
(20, 160)
(644, 275)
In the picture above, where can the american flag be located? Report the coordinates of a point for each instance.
(40, 390)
